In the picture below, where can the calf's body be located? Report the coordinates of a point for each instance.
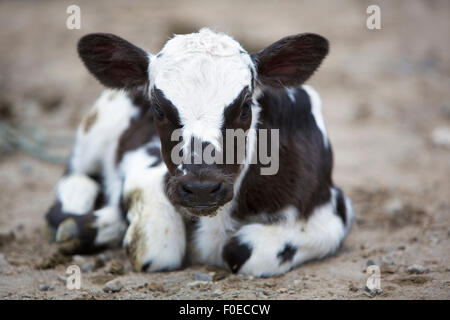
(118, 188)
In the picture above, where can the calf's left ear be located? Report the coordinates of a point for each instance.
(115, 62)
(291, 60)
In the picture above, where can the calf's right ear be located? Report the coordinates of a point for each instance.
(115, 62)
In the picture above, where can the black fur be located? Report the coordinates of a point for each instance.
(287, 254)
(341, 209)
(235, 254)
(291, 60)
(115, 62)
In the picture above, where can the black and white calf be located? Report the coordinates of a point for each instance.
(122, 185)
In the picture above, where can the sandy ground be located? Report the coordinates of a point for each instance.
(384, 93)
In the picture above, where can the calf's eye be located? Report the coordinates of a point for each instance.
(246, 110)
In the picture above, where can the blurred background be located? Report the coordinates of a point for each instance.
(386, 102)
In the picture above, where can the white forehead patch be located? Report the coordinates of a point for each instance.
(201, 73)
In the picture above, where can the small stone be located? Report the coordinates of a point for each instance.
(441, 136)
(352, 288)
(116, 267)
(203, 277)
(370, 262)
(219, 275)
(217, 293)
(297, 282)
(394, 206)
(416, 269)
(153, 286)
(113, 286)
(44, 287)
(79, 260)
(388, 265)
(88, 267)
(197, 284)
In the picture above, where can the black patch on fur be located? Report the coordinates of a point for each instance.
(155, 152)
(287, 254)
(341, 209)
(146, 266)
(141, 129)
(235, 254)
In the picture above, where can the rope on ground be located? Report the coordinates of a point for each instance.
(32, 142)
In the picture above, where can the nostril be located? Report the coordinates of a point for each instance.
(186, 189)
(216, 188)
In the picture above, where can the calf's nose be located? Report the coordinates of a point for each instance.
(201, 193)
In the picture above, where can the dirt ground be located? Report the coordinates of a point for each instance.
(387, 107)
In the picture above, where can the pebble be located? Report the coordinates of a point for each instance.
(370, 262)
(116, 267)
(441, 136)
(113, 286)
(217, 293)
(416, 269)
(44, 287)
(394, 206)
(198, 284)
(88, 267)
(388, 265)
(203, 277)
(353, 288)
(153, 286)
(79, 260)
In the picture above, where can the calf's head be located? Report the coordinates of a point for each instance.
(201, 86)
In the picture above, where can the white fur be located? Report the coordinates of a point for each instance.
(77, 194)
(139, 159)
(110, 226)
(211, 235)
(201, 73)
(113, 111)
(156, 228)
(316, 110)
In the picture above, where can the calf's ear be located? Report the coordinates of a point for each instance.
(115, 62)
(291, 60)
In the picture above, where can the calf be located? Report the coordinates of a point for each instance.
(122, 184)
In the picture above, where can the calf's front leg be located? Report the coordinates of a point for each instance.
(265, 250)
(155, 239)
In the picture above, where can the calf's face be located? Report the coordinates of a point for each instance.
(203, 89)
